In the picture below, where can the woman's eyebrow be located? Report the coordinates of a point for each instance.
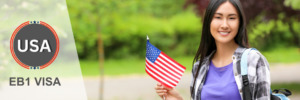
(228, 14)
(232, 15)
(218, 14)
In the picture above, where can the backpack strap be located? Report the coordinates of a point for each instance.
(244, 59)
(244, 72)
(286, 92)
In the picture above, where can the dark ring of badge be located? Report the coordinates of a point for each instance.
(34, 45)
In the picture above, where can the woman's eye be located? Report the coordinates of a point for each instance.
(218, 17)
(232, 18)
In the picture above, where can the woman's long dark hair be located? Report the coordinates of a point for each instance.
(207, 42)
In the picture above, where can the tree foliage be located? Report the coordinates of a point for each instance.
(124, 24)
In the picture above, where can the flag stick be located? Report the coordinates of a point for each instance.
(101, 65)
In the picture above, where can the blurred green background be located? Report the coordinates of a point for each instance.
(124, 24)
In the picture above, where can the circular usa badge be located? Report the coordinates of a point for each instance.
(34, 45)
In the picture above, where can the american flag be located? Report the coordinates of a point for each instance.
(161, 67)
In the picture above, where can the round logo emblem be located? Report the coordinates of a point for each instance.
(34, 45)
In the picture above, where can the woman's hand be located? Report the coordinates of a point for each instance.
(167, 93)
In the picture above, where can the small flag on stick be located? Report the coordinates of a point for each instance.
(161, 67)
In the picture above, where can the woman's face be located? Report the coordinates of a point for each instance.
(225, 23)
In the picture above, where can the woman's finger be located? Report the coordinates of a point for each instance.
(158, 84)
(159, 87)
(161, 91)
(166, 88)
(161, 94)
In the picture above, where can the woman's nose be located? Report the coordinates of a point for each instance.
(224, 25)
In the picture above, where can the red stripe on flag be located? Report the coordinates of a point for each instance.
(172, 65)
(173, 60)
(162, 76)
(150, 65)
(169, 67)
(159, 80)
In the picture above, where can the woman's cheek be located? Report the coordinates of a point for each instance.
(235, 25)
(214, 26)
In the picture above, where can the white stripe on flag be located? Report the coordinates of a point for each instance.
(160, 74)
(180, 72)
(165, 71)
(159, 78)
(172, 63)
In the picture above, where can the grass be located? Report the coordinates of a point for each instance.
(283, 55)
(115, 67)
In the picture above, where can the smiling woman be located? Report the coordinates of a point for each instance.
(216, 71)
(225, 23)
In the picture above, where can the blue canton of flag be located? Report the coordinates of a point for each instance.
(152, 52)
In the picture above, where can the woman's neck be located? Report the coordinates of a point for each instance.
(224, 52)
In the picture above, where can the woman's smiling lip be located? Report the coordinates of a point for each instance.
(224, 33)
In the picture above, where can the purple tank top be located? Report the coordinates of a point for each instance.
(220, 84)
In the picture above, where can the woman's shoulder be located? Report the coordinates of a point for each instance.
(254, 53)
(255, 57)
(195, 66)
(204, 62)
